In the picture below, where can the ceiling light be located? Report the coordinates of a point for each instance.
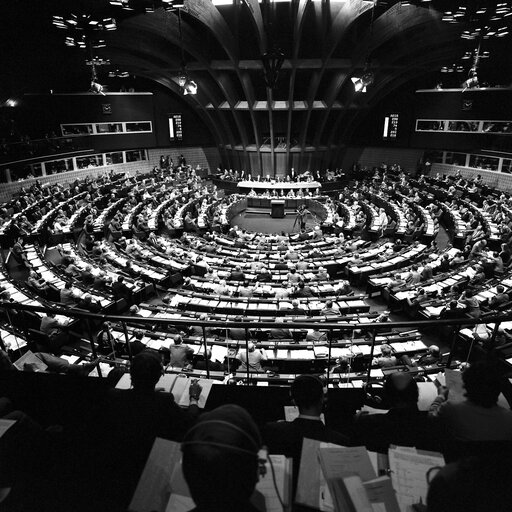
(361, 83)
(190, 87)
(97, 88)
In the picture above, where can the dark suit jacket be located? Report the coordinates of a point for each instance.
(403, 427)
(285, 438)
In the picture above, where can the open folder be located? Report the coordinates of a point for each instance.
(351, 479)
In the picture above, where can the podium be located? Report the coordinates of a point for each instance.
(277, 208)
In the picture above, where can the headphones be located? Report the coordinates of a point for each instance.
(261, 454)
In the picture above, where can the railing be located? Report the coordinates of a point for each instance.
(374, 328)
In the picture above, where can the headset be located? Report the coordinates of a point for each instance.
(260, 452)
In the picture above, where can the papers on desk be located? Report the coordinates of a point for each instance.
(409, 474)
(335, 478)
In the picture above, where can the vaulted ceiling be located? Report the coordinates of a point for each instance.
(313, 106)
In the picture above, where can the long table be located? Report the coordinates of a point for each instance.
(278, 185)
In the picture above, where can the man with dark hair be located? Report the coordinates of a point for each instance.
(404, 424)
(283, 437)
(120, 290)
(479, 417)
(220, 460)
(132, 418)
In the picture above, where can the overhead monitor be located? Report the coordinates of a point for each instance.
(175, 127)
(390, 126)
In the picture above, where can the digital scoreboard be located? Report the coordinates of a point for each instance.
(390, 126)
(175, 127)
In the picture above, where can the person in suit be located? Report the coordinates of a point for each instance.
(404, 424)
(131, 419)
(180, 354)
(120, 290)
(237, 274)
(283, 437)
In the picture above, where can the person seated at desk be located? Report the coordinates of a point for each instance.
(323, 275)
(72, 270)
(54, 329)
(500, 298)
(303, 291)
(130, 271)
(296, 309)
(264, 276)
(404, 424)
(67, 296)
(302, 264)
(237, 333)
(478, 249)
(120, 290)
(221, 462)
(280, 333)
(478, 417)
(88, 304)
(472, 305)
(386, 358)
(282, 437)
(316, 336)
(281, 265)
(252, 360)
(180, 355)
(237, 274)
(414, 276)
(38, 283)
(330, 309)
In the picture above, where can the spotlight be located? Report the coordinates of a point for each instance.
(97, 88)
(360, 84)
(182, 79)
(190, 87)
(11, 103)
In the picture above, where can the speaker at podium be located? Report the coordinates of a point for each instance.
(277, 208)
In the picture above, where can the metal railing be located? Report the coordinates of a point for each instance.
(373, 328)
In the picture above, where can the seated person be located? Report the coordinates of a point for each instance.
(67, 296)
(386, 358)
(500, 298)
(252, 358)
(316, 336)
(404, 424)
(221, 461)
(237, 333)
(237, 274)
(479, 417)
(282, 437)
(180, 354)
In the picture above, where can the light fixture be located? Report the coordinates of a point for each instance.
(187, 85)
(272, 63)
(190, 87)
(361, 83)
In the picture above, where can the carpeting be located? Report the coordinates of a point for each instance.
(264, 223)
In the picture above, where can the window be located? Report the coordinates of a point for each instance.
(109, 128)
(455, 158)
(136, 155)
(434, 157)
(76, 130)
(463, 126)
(88, 162)
(114, 158)
(484, 162)
(25, 172)
(497, 127)
(506, 166)
(58, 166)
(142, 126)
(427, 125)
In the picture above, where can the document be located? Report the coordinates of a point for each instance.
(154, 486)
(409, 475)
(206, 385)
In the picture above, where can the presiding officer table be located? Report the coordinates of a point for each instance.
(279, 185)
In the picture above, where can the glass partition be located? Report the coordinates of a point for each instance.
(427, 125)
(114, 158)
(488, 163)
(143, 126)
(89, 162)
(109, 128)
(136, 155)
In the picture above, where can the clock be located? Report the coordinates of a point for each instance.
(106, 108)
